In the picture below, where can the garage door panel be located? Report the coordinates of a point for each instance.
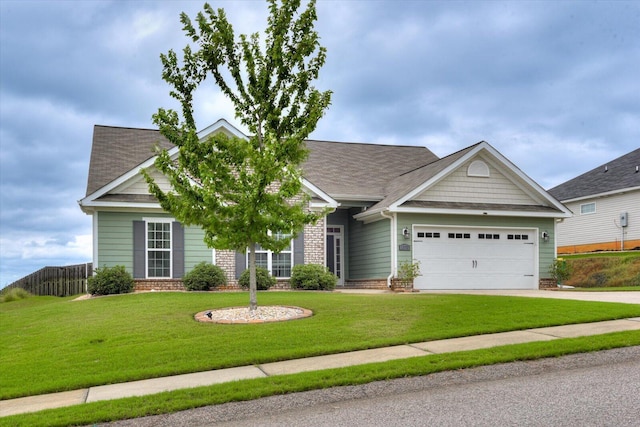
(475, 258)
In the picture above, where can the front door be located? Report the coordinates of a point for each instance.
(335, 251)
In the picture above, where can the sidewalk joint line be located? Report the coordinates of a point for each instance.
(262, 370)
(414, 345)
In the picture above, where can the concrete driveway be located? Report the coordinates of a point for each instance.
(623, 297)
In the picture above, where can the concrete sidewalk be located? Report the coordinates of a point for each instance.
(158, 385)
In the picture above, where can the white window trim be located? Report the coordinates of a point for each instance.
(587, 204)
(479, 168)
(270, 258)
(147, 221)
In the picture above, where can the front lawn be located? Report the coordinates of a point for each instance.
(50, 344)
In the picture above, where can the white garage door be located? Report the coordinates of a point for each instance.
(475, 258)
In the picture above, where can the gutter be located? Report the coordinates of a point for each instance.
(392, 221)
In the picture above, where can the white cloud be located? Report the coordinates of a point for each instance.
(131, 32)
(45, 247)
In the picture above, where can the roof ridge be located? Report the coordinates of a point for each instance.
(368, 143)
(125, 127)
(445, 157)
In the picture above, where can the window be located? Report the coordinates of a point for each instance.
(488, 236)
(478, 168)
(517, 237)
(588, 208)
(429, 235)
(158, 249)
(278, 264)
(458, 235)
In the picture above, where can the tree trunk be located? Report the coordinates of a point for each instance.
(253, 288)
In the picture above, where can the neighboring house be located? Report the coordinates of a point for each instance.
(472, 219)
(606, 206)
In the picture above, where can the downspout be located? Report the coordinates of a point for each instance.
(392, 221)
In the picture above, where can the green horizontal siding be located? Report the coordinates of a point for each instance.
(195, 250)
(546, 250)
(369, 254)
(115, 240)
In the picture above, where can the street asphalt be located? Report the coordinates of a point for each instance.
(588, 390)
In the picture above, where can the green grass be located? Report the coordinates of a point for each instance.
(168, 402)
(13, 294)
(51, 344)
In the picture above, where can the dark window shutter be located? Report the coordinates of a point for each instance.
(298, 249)
(177, 231)
(139, 250)
(241, 263)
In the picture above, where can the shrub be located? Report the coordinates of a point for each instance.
(13, 294)
(110, 280)
(409, 270)
(560, 270)
(264, 280)
(312, 277)
(203, 277)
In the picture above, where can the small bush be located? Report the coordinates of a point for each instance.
(203, 277)
(14, 294)
(560, 270)
(110, 280)
(312, 277)
(264, 280)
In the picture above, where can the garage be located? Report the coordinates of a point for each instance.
(475, 257)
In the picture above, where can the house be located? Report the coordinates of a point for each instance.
(606, 206)
(472, 219)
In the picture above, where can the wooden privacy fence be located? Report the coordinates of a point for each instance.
(56, 281)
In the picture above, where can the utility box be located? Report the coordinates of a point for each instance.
(624, 219)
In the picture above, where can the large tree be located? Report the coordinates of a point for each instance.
(244, 192)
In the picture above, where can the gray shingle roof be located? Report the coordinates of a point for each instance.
(615, 175)
(116, 151)
(349, 170)
(408, 181)
(342, 170)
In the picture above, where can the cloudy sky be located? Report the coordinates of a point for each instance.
(554, 86)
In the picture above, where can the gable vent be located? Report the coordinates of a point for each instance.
(478, 168)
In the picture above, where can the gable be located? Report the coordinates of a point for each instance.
(118, 155)
(477, 180)
(138, 185)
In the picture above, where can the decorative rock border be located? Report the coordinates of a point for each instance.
(263, 314)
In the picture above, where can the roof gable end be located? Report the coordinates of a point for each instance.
(419, 189)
